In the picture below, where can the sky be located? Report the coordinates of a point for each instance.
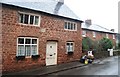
(101, 12)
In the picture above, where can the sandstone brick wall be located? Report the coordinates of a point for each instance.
(99, 35)
(54, 30)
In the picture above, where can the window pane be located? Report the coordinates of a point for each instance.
(106, 35)
(34, 49)
(21, 51)
(26, 18)
(27, 41)
(21, 18)
(36, 20)
(68, 44)
(71, 44)
(113, 36)
(83, 32)
(94, 34)
(31, 19)
(34, 41)
(68, 25)
(68, 48)
(71, 48)
(20, 40)
(28, 50)
(72, 26)
(65, 25)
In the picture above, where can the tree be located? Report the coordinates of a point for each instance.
(87, 44)
(105, 44)
(119, 45)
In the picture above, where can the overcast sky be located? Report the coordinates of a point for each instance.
(101, 12)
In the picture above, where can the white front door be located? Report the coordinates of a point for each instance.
(51, 53)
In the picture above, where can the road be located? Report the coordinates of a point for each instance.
(107, 66)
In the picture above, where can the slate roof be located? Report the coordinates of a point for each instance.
(96, 28)
(47, 6)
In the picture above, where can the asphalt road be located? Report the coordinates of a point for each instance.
(107, 66)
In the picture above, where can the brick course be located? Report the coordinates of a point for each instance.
(54, 30)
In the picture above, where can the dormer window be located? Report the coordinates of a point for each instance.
(29, 19)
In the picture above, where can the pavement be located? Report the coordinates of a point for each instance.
(52, 69)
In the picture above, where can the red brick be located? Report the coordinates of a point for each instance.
(99, 35)
(54, 31)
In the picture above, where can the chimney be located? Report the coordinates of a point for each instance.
(88, 22)
(58, 5)
(61, 1)
(112, 30)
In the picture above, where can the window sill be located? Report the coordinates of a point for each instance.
(83, 35)
(69, 30)
(28, 25)
(27, 56)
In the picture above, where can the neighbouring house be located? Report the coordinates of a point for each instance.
(96, 32)
(118, 40)
(36, 34)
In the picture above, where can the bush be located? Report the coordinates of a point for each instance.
(105, 44)
(96, 46)
(119, 45)
(87, 44)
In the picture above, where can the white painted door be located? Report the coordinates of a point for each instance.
(51, 53)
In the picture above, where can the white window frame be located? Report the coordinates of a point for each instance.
(29, 19)
(113, 36)
(72, 46)
(25, 45)
(107, 36)
(84, 33)
(74, 26)
(94, 34)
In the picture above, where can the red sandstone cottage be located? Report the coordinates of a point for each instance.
(96, 32)
(38, 34)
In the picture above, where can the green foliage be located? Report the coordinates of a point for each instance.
(87, 44)
(101, 45)
(118, 46)
(105, 44)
